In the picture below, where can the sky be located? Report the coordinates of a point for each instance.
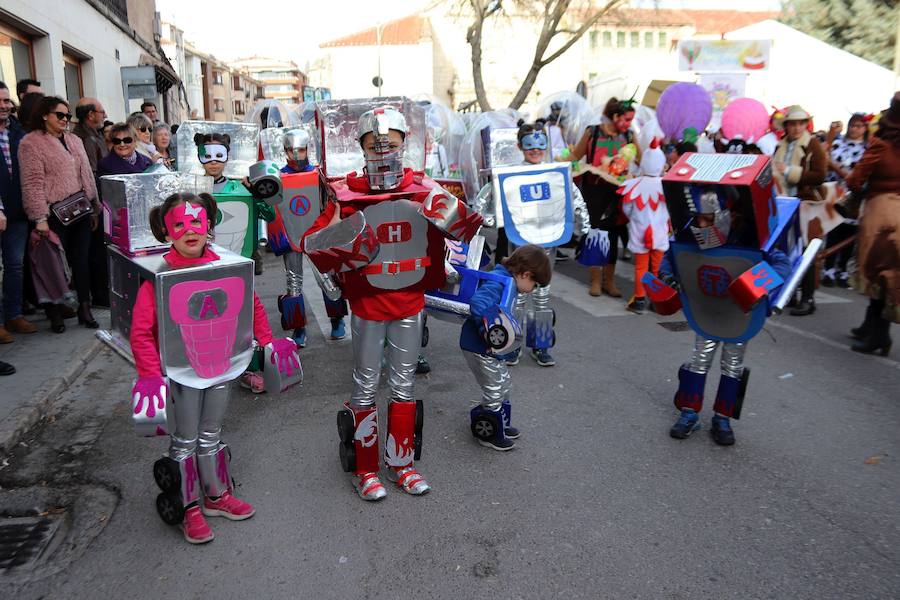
(283, 30)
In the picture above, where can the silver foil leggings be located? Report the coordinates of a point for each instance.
(198, 419)
(732, 361)
(404, 337)
(293, 270)
(540, 296)
(492, 376)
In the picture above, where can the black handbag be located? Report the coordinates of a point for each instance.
(72, 208)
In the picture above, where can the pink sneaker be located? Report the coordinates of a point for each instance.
(253, 381)
(194, 526)
(229, 507)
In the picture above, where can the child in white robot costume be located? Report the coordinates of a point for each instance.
(734, 258)
(400, 218)
(195, 476)
(528, 266)
(644, 203)
(534, 144)
(285, 237)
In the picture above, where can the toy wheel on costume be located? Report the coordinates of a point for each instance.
(170, 509)
(486, 426)
(417, 435)
(348, 457)
(552, 339)
(497, 337)
(345, 426)
(167, 475)
(265, 189)
(425, 336)
(553, 310)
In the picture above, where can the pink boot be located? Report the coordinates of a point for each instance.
(229, 507)
(194, 526)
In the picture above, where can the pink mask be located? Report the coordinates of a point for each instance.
(185, 214)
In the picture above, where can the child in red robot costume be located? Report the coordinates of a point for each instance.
(400, 218)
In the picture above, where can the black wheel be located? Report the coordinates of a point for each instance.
(167, 475)
(417, 435)
(552, 339)
(348, 457)
(485, 427)
(553, 323)
(425, 336)
(497, 337)
(345, 426)
(170, 509)
(266, 188)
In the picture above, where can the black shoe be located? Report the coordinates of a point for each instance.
(721, 431)
(85, 317)
(805, 307)
(637, 305)
(422, 366)
(6, 369)
(862, 332)
(843, 280)
(878, 340)
(687, 423)
(28, 308)
(827, 281)
(54, 313)
(511, 432)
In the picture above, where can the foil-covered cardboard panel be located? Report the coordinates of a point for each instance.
(505, 148)
(337, 120)
(128, 199)
(243, 150)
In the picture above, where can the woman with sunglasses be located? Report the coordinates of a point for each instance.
(143, 128)
(54, 167)
(124, 158)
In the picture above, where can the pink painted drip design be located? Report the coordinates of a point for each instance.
(190, 476)
(208, 343)
(222, 468)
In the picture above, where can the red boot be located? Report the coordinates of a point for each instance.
(399, 450)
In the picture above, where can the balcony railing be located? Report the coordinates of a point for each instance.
(117, 7)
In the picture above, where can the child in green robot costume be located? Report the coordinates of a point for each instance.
(236, 220)
(239, 210)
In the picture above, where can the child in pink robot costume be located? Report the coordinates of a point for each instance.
(406, 217)
(644, 203)
(197, 458)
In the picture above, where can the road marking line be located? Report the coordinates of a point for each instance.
(575, 293)
(831, 343)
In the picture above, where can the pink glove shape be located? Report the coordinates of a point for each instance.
(149, 395)
(284, 355)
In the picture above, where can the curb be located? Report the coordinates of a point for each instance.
(29, 414)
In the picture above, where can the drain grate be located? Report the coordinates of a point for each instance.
(23, 540)
(675, 325)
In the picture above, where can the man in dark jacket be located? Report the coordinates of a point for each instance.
(13, 227)
(91, 114)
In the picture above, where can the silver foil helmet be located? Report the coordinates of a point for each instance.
(714, 235)
(296, 139)
(384, 166)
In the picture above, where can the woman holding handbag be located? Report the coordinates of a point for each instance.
(59, 194)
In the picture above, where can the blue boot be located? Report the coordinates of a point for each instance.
(299, 337)
(722, 433)
(487, 427)
(338, 331)
(508, 430)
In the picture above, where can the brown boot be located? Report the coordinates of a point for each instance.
(609, 281)
(596, 277)
(5, 337)
(20, 325)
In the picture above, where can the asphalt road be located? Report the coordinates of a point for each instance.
(596, 501)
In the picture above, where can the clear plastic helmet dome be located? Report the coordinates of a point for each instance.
(271, 113)
(567, 111)
(472, 151)
(445, 127)
(305, 112)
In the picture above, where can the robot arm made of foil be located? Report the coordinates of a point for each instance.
(579, 208)
(484, 205)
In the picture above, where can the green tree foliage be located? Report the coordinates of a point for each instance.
(867, 28)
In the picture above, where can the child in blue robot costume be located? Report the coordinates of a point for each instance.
(528, 266)
(735, 245)
(291, 305)
(535, 203)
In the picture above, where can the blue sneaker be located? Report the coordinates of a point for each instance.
(338, 332)
(542, 357)
(299, 337)
(512, 358)
(721, 431)
(687, 423)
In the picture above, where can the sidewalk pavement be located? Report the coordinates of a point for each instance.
(46, 364)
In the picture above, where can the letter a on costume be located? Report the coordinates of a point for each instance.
(209, 304)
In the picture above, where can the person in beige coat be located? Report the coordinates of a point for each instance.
(800, 165)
